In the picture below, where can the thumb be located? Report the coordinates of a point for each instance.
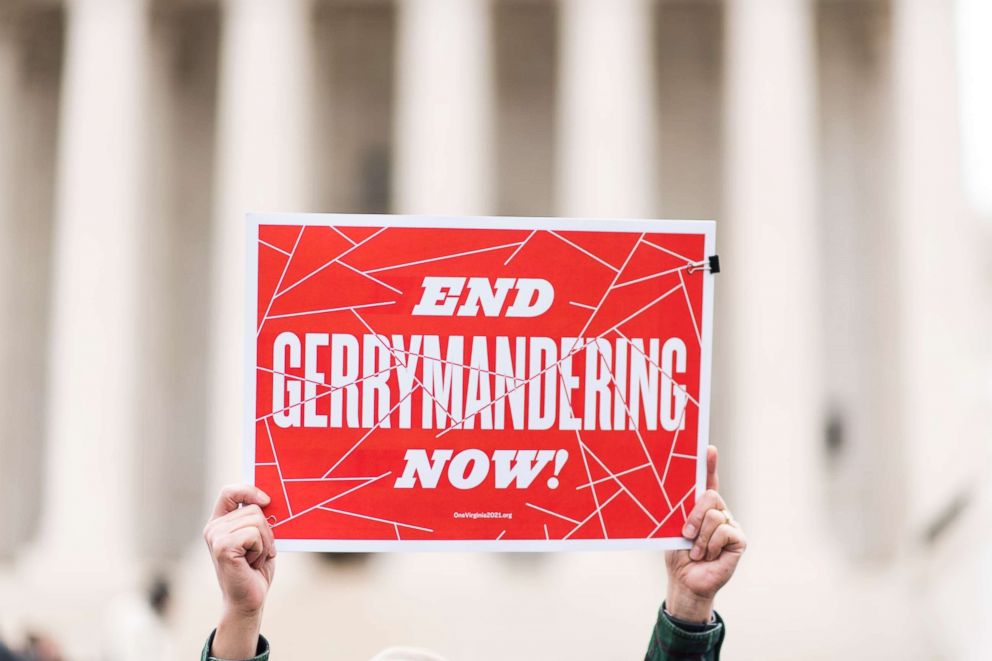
(234, 495)
(712, 479)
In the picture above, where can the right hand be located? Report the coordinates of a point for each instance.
(243, 551)
(695, 576)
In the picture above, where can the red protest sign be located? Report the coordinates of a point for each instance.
(487, 383)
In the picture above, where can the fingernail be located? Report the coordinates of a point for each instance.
(689, 531)
(695, 553)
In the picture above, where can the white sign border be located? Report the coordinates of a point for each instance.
(255, 219)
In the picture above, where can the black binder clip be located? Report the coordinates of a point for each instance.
(711, 264)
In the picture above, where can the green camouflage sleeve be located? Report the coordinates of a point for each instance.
(670, 642)
(261, 654)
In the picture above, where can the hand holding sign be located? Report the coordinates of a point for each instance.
(243, 552)
(695, 576)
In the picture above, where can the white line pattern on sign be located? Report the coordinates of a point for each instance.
(597, 506)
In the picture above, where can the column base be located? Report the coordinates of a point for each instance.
(68, 597)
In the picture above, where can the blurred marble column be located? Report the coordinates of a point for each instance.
(85, 551)
(606, 143)
(30, 56)
(942, 246)
(88, 487)
(174, 310)
(444, 120)
(944, 348)
(769, 248)
(11, 443)
(263, 164)
(859, 315)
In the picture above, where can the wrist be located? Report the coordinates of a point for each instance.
(237, 633)
(688, 606)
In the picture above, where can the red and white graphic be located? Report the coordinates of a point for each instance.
(477, 383)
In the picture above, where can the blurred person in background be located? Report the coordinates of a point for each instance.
(38, 647)
(243, 551)
(6, 654)
(136, 625)
(41, 647)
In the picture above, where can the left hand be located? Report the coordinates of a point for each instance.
(696, 575)
(243, 551)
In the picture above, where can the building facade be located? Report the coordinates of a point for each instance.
(853, 369)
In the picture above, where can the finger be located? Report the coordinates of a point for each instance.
(268, 539)
(234, 495)
(709, 500)
(725, 537)
(255, 553)
(712, 479)
(254, 519)
(236, 519)
(712, 520)
(243, 543)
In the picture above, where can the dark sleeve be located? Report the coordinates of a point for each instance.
(6, 654)
(674, 640)
(261, 654)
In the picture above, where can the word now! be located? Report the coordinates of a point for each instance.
(442, 294)
(470, 468)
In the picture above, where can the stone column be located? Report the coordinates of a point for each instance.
(770, 290)
(941, 258)
(444, 108)
(944, 312)
(88, 489)
(974, 52)
(11, 443)
(857, 225)
(769, 246)
(85, 549)
(262, 165)
(30, 52)
(606, 145)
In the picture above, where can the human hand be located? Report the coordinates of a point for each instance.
(243, 551)
(696, 575)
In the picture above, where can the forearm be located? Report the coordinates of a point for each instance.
(688, 606)
(237, 635)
